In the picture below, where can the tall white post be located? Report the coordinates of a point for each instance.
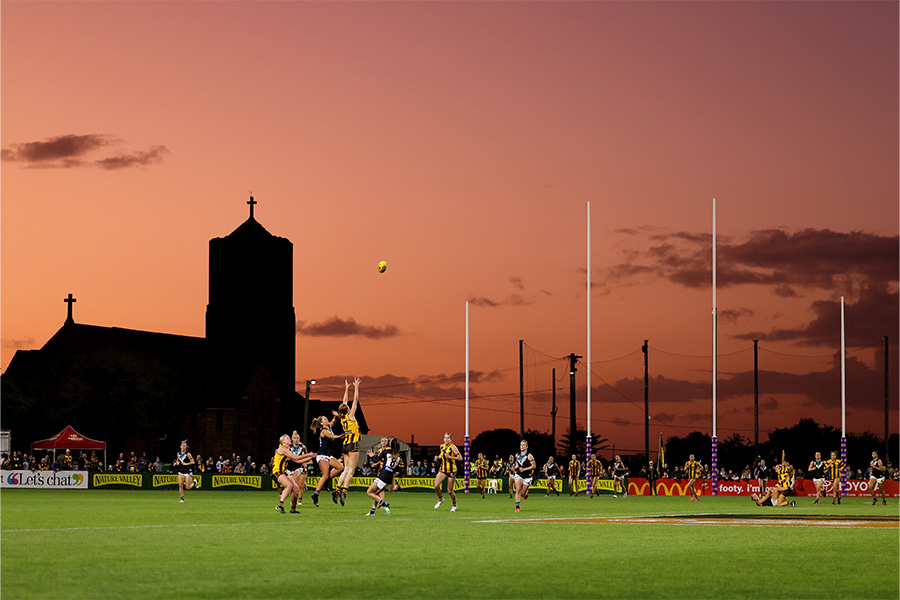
(843, 402)
(466, 442)
(714, 466)
(587, 446)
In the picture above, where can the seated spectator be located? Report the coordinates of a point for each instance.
(143, 463)
(263, 469)
(252, 467)
(366, 469)
(121, 463)
(227, 467)
(247, 462)
(240, 469)
(199, 467)
(44, 465)
(746, 473)
(220, 463)
(210, 465)
(419, 469)
(158, 467)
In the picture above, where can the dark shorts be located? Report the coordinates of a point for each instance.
(352, 447)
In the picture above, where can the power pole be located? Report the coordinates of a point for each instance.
(644, 349)
(887, 427)
(755, 399)
(553, 415)
(521, 392)
(573, 358)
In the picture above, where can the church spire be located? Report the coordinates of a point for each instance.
(69, 301)
(251, 203)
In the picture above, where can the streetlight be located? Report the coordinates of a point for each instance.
(309, 383)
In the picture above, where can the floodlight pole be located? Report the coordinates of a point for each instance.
(587, 444)
(466, 446)
(714, 466)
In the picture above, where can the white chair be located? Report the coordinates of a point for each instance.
(492, 486)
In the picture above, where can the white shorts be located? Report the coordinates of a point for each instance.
(323, 457)
(525, 480)
(380, 484)
(878, 480)
(551, 477)
(818, 482)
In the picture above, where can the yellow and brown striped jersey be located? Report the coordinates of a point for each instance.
(833, 468)
(693, 469)
(351, 430)
(594, 467)
(278, 464)
(574, 468)
(448, 465)
(481, 468)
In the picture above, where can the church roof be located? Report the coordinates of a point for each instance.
(250, 229)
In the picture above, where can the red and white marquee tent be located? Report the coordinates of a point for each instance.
(69, 439)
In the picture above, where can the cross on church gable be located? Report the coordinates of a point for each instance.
(251, 203)
(69, 301)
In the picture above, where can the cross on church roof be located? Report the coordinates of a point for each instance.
(69, 301)
(251, 203)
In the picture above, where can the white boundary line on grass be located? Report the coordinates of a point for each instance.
(123, 527)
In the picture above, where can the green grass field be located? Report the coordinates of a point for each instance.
(144, 544)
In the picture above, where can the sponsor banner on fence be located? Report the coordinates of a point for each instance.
(46, 480)
(129, 479)
(251, 481)
(802, 487)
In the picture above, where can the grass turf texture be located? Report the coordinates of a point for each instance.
(145, 544)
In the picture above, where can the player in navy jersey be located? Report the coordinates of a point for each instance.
(184, 465)
(525, 467)
(329, 465)
(816, 472)
(876, 478)
(390, 461)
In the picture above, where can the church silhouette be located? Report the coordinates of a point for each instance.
(232, 391)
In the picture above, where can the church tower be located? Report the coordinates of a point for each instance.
(250, 318)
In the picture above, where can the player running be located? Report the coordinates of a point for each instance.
(833, 468)
(448, 458)
(481, 472)
(593, 469)
(574, 474)
(876, 478)
(693, 470)
(619, 472)
(551, 472)
(525, 467)
(183, 463)
(816, 472)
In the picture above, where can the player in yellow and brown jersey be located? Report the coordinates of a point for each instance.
(280, 464)
(693, 471)
(594, 468)
(574, 474)
(833, 468)
(481, 472)
(447, 460)
(350, 442)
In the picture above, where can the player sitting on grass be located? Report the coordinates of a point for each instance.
(771, 498)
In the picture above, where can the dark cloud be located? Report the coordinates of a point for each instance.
(18, 343)
(394, 389)
(734, 314)
(513, 300)
(867, 320)
(69, 151)
(337, 327)
(66, 148)
(153, 156)
(809, 258)
(516, 281)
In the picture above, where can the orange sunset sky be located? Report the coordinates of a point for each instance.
(461, 143)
